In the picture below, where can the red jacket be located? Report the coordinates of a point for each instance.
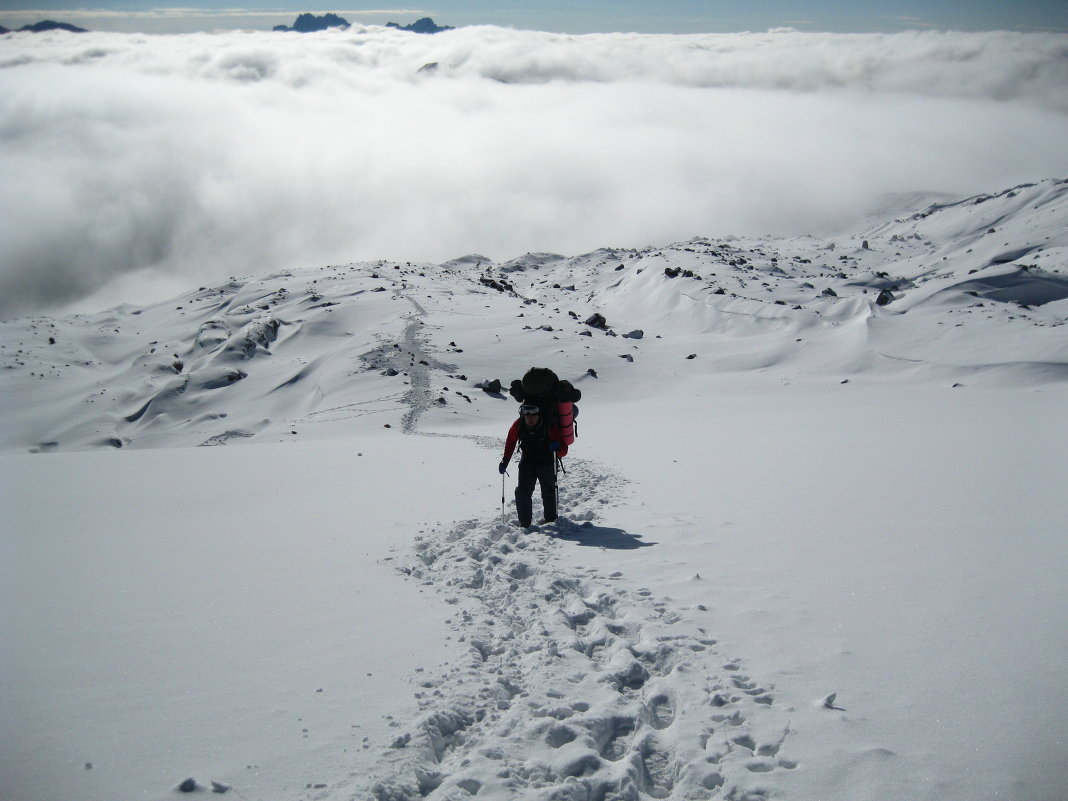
(513, 439)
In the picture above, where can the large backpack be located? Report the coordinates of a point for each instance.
(556, 398)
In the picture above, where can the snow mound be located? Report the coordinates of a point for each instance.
(1022, 286)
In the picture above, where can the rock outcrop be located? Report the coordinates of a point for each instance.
(48, 25)
(424, 25)
(309, 23)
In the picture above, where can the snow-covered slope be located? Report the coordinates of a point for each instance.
(812, 548)
(971, 289)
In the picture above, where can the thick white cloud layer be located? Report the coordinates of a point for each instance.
(131, 160)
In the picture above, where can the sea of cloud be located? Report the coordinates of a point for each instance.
(137, 165)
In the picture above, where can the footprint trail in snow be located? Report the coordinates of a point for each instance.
(574, 686)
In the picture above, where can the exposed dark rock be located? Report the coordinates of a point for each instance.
(309, 23)
(424, 25)
(597, 321)
(885, 297)
(492, 387)
(500, 284)
(48, 25)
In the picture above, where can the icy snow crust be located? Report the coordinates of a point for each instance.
(580, 664)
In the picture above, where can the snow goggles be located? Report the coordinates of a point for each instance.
(529, 408)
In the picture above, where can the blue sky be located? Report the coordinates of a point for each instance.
(664, 16)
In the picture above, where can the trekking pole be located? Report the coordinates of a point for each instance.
(557, 483)
(504, 518)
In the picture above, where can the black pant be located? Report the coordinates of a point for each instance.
(543, 473)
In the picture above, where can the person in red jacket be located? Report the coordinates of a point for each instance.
(540, 445)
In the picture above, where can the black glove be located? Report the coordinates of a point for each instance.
(502, 467)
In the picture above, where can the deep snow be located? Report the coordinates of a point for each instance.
(832, 497)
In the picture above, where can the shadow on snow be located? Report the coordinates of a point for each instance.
(599, 536)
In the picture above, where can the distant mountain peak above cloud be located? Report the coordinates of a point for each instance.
(424, 25)
(309, 23)
(46, 25)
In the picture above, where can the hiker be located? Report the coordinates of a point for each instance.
(540, 445)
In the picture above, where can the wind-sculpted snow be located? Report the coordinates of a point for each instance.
(576, 686)
(974, 289)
